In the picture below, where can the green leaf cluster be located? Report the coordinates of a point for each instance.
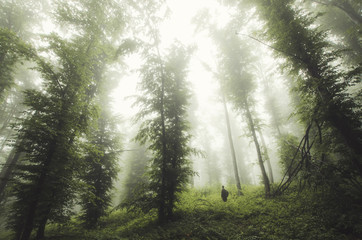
(165, 127)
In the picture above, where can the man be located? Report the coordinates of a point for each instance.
(224, 194)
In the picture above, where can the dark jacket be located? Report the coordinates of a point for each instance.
(224, 194)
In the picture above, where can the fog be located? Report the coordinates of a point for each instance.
(125, 104)
(206, 113)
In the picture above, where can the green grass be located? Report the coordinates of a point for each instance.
(201, 214)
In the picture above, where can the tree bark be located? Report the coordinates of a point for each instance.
(270, 170)
(231, 143)
(257, 146)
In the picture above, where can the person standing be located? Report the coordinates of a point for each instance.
(224, 194)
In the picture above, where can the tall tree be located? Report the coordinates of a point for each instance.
(237, 83)
(59, 114)
(229, 132)
(231, 143)
(266, 156)
(322, 85)
(16, 24)
(136, 181)
(337, 23)
(165, 127)
(100, 168)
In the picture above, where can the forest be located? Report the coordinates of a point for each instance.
(170, 119)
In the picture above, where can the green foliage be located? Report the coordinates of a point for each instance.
(311, 215)
(57, 117)
(288, 146)
(100, 169)
(235, 67)
(44, 186)
(137, 180)
(322, 85)
(237, 82)
(340, 18)
(165, 127)
(12, 51)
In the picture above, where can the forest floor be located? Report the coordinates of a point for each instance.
(201, 214)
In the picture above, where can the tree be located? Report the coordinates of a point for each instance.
(288, 145)
(337, 23)
(100, 168)
(137, 182)
(16, 23)
(229, 133)
(59, 114)
(237, 83)
(231, 143)
(321, 83)
(165, 127)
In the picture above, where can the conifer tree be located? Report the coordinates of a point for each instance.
(100, 168)
(165, 127)
(60, 113)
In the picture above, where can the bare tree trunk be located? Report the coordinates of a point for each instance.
(235, 165)
(257, 146)
(267, 158)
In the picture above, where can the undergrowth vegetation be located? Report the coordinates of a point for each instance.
(201, 214)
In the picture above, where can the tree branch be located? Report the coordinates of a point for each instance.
(274, 48)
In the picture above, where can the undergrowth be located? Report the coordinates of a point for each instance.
(201, 214)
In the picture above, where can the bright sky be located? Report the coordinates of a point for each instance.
(178, 27)
(205, 87)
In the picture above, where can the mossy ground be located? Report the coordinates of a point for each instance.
(201, 214)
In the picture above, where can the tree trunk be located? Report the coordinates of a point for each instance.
(3, 144)
(257, 146)
(267, 158)
(41, 229)
(339, 120)
(29, 222)
(235, 165)
(8, 168)
(162, 203)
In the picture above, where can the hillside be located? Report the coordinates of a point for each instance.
(201, 214)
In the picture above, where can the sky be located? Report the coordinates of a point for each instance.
(177, 27)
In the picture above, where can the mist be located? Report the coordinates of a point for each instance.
(118, 116)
